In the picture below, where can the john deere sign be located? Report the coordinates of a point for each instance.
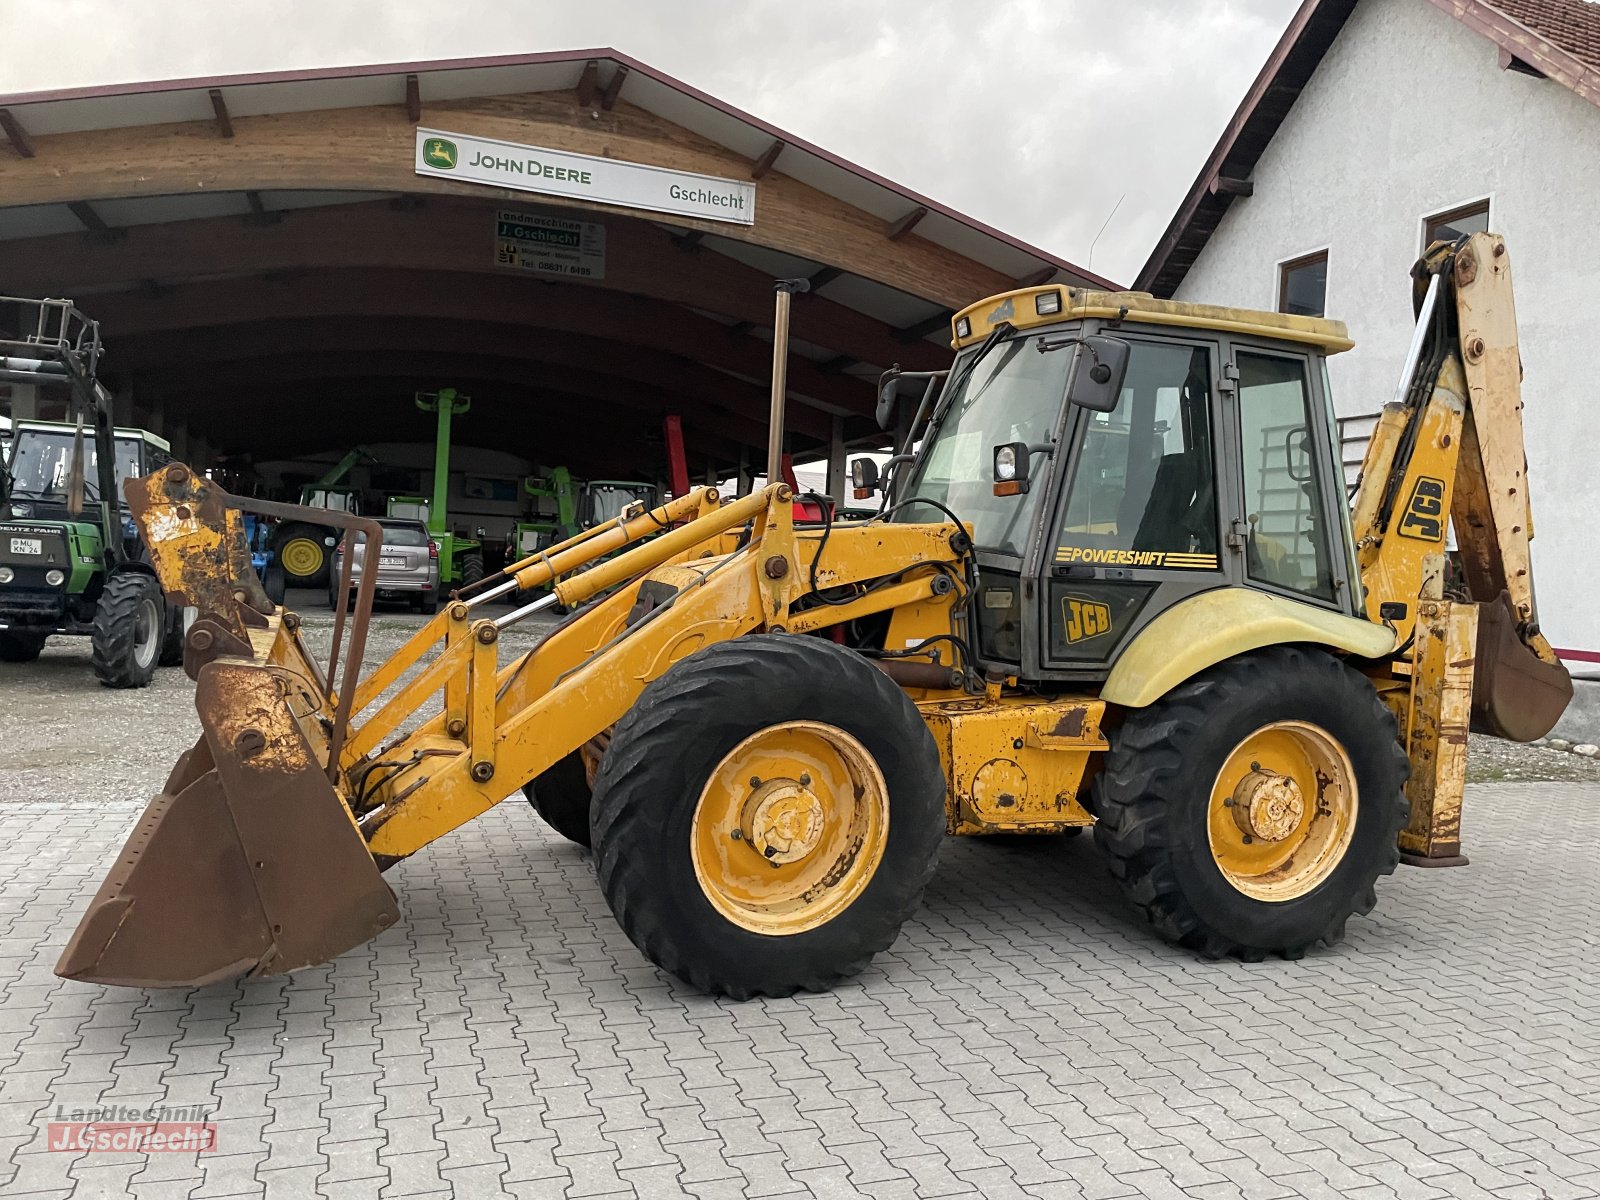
(582, 177)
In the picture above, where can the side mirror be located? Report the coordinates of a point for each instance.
(1011, 462)
(888, 397)
(864, 479)
(1097, 375)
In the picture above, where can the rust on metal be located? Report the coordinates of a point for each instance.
(247, 863)
(1515, 693)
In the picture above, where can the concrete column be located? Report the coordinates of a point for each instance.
(158, 415)
(24, 402)
(178, 435)
(838, 468)
(743, 478)
(200, 453)
(122, 409)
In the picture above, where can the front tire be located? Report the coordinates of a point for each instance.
(767, 816)
(471, 569)
(129, 629)
(1252, 809)
(16, 647)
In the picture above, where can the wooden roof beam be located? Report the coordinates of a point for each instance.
(608, 98)
(1042, 275)
(904, 225)
(413, 100)
(589, 83)
(920, 330)
(823, 278)
(760, 166)
(1231, 185)
(92, 221)
(220, 107)
(16, 134)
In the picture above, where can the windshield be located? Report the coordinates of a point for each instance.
(605, 501)
(1013, 395)
(398, 534)
(41, 460)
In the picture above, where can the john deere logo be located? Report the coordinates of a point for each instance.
(1085, 618)
(440, 153)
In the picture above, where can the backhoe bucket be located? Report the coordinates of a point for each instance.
(1515, 693)
(247, 864)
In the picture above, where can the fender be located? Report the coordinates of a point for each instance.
(1206, 629)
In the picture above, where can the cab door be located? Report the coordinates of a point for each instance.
(1285, 531)
(1138, 523)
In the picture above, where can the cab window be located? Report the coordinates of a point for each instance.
(1287, 540)
(1144, 490)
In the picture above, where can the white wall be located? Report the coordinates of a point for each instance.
(1409, 115)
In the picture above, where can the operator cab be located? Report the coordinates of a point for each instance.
(40, 464)
(1115, 454)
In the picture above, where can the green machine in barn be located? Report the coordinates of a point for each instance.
(460, 555)
(71, 559)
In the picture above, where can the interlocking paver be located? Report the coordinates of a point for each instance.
(1025, 1037)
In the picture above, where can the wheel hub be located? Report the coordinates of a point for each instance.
(783, 820)
(1268, 806)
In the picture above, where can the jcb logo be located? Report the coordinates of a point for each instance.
(1085, 618)
(1424, 516)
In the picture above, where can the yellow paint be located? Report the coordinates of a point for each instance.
(1440, 713)
(1018, 309)
(994, 784)
(790, 828)
(1206, 629)
(1282, 811)
(301, 556)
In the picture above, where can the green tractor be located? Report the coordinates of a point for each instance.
(301, 547)
(553, 518)
(71, 560)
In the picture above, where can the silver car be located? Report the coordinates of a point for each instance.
(408, 565)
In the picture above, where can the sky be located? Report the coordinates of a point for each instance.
(1040, 117)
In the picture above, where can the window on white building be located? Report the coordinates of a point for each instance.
(1303, 285)
(1457, 223)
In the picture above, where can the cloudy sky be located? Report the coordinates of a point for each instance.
(1036, 116)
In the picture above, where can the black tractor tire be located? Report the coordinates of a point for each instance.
(19, 647)
(471, 569)
(274, 582)
(1153, 802)
(296, 532)
(562, 798)
(129, 627)
(172, 639)
(671, 743)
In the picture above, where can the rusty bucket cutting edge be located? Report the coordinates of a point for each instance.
(1515, 693)
(246, 864)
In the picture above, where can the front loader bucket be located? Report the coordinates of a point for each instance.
(1515, 693)
(247, 863)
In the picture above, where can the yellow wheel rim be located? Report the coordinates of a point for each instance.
(1283, 810)
(301, 557)
(790, 828)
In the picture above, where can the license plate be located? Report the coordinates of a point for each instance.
(385, 561)
(27, 546)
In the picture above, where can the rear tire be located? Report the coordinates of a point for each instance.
(129, 624)
(562, 798)
(16, 647)
(1189, 852)
(303, 557)
(855, 849)
(274, 583)
(172, 639)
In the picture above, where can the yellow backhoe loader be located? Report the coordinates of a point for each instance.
(1113, 581)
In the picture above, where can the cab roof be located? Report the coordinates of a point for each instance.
(143, 435)
(1021, 309)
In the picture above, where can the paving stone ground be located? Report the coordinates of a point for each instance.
(1024, 1037)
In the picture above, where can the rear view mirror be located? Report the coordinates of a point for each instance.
(864, 478)
(1297, 453)
(1097, 375)
(888, 397)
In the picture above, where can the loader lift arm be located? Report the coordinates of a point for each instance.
(281, 732)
